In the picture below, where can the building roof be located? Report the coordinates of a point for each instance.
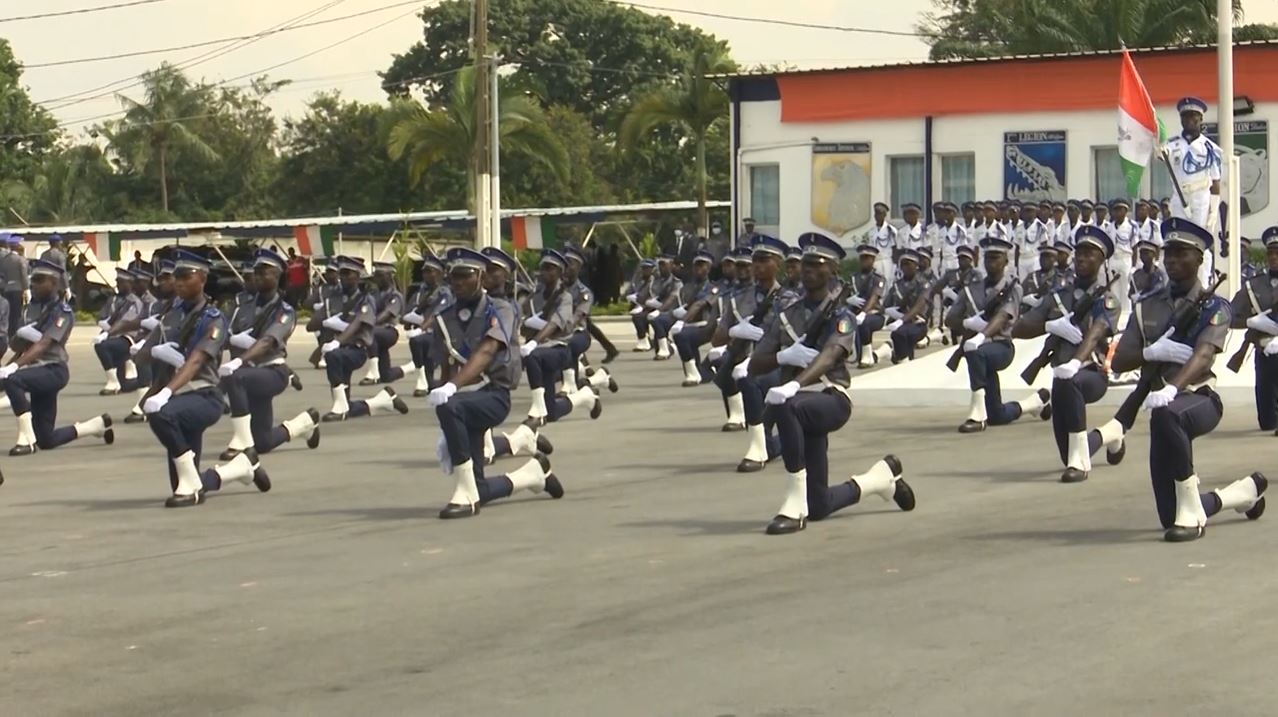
(998, 59)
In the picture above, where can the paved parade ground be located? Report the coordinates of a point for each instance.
(649, 589)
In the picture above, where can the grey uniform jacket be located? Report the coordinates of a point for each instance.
(462, 328)
(790, 326)
(1151, 317)
(974, 297)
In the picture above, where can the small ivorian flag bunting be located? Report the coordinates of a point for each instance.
(105, 247)
(314, 240)
(533, 232)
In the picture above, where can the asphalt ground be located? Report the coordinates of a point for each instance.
(649, 589)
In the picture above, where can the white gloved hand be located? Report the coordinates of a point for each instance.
(1065, 329)
(652, 304)
(716, 352)
(8, 370)
(654, 314)
(636, 311)
(856, 302)
(974, 343)
(1067, 370)
(1166, 350)
(243, 340)
(1271, 348)
(894, 326)
(949, 294)
(632, 298)
(102, 336)
(440, 396)
(29, 333)
(781, 394)
(229, 367)
(150, 322)
(414, 318)
(893, 313)
(317, 307)
(975, 323)
(156, 402)
(415, 332)
(1262, 322)
(745, 330)
(169, 353)
(676, 327)
(860, 318)
(1032, 301)
(330, 346)
(536, 323)
(335, 323)
(679, 312)
(797, 354)
(104, 325)
(1160, 398)
(135, 349)
(741, 370)
(527, 348)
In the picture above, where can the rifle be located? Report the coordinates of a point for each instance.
(1252, 336)
(987, 313)
(761, 310)
(1054, 343)
(816, 328)
(1182, 322)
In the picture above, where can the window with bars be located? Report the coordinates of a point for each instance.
(958, 178)
(765, 195)
(905, 182)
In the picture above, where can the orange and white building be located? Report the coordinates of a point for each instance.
(813, 150)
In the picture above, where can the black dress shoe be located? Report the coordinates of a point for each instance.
(226, 409)
(1177, 534)
(691, 383)
(228, 454)
(109, 392)
(331, 417)
(135, 418)
(1115, 457)
(453, 511)
(544, 445)
(367, 382)
(733, 427)
(1073, 475)
(748, 466)
(400, 404)
(970, 426)
(597, 410)
(295, 381)
(554, 488)
(903, 496)
(1258, 509)
(1, 478)
(611, 356)
(613, 387)
(313, 441)
(535, 422)
(1045, 414)
(108, 437)
(185, 501)
(260, 478)
(781, 525)
(22, 450)
(419, 393)
(659, 357)
(894, 464)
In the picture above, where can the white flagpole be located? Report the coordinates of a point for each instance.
(1225, 125)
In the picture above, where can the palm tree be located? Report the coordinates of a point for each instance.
(167, 122)
(693, 104)
(446, 134)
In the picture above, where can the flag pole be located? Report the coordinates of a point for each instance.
(1225, 127)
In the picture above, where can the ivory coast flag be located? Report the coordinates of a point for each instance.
(314, 240)
(533, 232)
(105, 247)
(1140, 132)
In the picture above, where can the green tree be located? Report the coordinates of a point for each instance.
(694, 104)
(67, 188)
(527, 182)
(445, 134)
(988, 28)
(234, 182)
(335, 156)
(28, 133)
(165, 123)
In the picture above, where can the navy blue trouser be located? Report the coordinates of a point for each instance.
(1172, 430)
(661, 326)
(640, 320)
(1266, 391)
(578, 345)
(546, 364)
(865, 331)
(113, 353)
(35, 390)
(983, 366)
(464, 420)
(385, 338)
(419, 349)
(181, 423)
(250, 392)
(906, 339)
(689, 342)
(804, 424)
(1069, 407)
(723, 376)
(342, 362)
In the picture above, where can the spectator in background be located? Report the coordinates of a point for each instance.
(746, 237)
(137, 264)
(297, 283)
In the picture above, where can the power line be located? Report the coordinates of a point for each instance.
(206, 43)
(81, 11)
(783, 23)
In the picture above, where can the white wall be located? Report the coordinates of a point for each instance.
(761, 127)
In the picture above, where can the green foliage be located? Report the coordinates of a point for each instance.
(28, 133)
(987, 28)
(649, 246)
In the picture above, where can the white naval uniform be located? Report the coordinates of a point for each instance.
(1065, 232)
(884, 238)
(1125, 236)
(1195, 165)
(946, 251)
(1035, 235)
(1151, 230)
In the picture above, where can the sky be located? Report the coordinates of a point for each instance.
(362, 46)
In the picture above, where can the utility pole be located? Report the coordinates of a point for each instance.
(1225, 127)
(482, 153)
(494, 125)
